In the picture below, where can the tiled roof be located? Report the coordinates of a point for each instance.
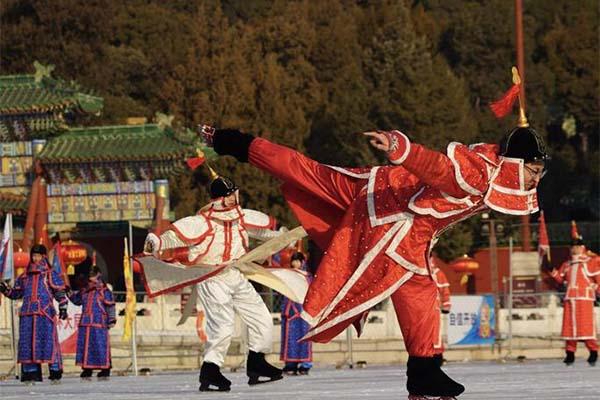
(117, 143)
(24, 93)
(13, 203)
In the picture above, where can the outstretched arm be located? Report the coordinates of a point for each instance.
(433, 168)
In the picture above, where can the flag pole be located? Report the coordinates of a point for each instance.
(13, 335)
(134, 325)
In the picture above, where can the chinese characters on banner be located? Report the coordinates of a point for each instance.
(471, 320)
(67, 329)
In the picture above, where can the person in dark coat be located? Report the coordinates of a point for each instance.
(38, 337)
(97, 317)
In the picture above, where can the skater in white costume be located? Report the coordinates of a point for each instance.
(217, 235)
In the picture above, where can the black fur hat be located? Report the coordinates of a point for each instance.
(524, 143)
(38, 249)
(221, 187)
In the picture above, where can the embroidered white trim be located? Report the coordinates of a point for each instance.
(360, 308)
(431, 211)
(391, 250)
(516, 192)
(373, 219)
(364, 264)
(458, 174)
(349, 173)
(394, 137)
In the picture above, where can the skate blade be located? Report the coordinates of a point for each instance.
(55, 382)
(205, 387)
(254, 380)
(103, 378)
(421, 397)
(86, 379)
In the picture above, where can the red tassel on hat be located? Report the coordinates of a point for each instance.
(504, 105)
(574, 233)
(195, 162)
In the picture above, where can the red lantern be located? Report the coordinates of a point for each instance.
(464, 264)
(21, 260)
(73, 253)
(137, 267)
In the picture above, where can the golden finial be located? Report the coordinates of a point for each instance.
(516, 78)
(213, 174)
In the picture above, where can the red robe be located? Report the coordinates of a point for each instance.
(582, 276)
(377, 226)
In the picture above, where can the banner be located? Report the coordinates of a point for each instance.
(67, 329)
(130, 301)
(471, 320)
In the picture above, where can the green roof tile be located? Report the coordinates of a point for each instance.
(116, 143)
(12, 203)
(23, 94)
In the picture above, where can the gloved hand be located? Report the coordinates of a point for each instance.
(62, 313)
(4, 287)
(445, 311)
(206, 132)
(152, 244)
(111, 324)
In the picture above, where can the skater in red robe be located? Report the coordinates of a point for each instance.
(581, 274)
(377, 226)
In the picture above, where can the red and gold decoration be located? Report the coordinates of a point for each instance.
(73, 253)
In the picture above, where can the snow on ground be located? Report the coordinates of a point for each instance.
(546, 380)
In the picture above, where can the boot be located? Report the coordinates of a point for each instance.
(104, 374)
(303, 370)
(593, 357)
(210, 374)
(290, 370)
(570, 358)
(232, 142)
(55, 376)
(257, 366)
(425, 378)
(32, 376)
(86, 374)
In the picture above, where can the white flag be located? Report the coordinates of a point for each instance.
(6, 251)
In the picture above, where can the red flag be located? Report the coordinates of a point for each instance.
(543, 241)
(574, 233)
(504, 105)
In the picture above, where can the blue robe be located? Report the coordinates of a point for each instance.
(97, 313)
(293, 328)
(38, 337)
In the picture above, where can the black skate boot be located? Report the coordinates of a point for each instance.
(104, 374)
(86, 374)
(55, 376)
(593, 358)
(29, 378)
(290, 370)
(425, 378)
(210, 375)
(303, 370)
(570, 358)
(257, 367)
(230, 142)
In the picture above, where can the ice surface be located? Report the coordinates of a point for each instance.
(484, 380)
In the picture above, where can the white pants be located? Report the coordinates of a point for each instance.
(221, 296)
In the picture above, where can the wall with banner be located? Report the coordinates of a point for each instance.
(471, 320)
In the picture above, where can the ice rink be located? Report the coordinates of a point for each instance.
(484, 380)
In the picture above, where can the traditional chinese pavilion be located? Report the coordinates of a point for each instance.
(87, 183)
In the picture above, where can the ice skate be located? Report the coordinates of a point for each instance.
(210, 375)
(569, 358)
(55, 376)
(258, 367)
(426, 379)
(103, 375)
(593, 358)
